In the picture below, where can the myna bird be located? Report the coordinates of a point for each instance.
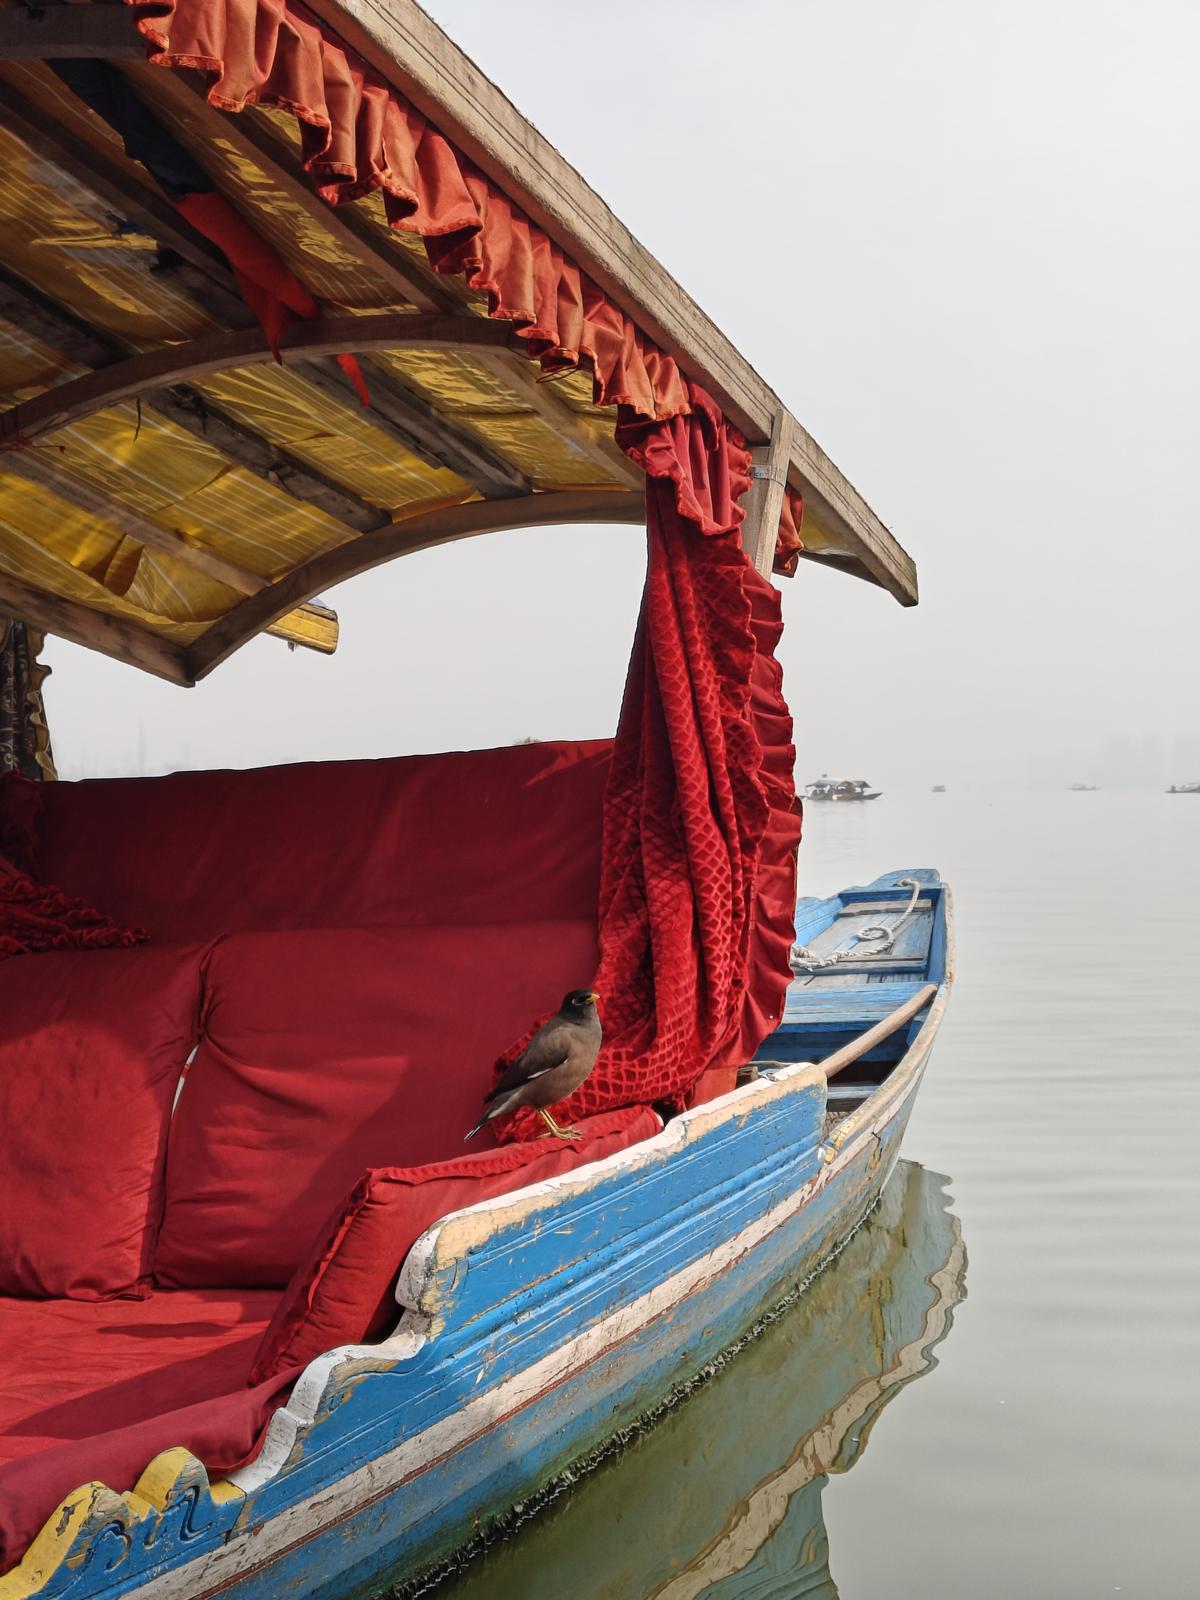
(552, 1065)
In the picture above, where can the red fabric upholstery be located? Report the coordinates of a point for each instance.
(359, 135)
(91, 1048)
(344, 1292)
(328, 1051)
(37, 916)
(700, 827)
(488, 835)
(96, 1391)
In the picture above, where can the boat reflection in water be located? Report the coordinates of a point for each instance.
(722, 1498)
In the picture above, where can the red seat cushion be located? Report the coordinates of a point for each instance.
(328, 1051)
(477, 835)
(37, 916)
(343, 1293)
(91, 1047)
(96, 1391)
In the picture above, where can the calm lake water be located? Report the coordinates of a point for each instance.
(887, 1438)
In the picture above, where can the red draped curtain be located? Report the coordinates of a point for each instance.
(701, 826)
(698, 887)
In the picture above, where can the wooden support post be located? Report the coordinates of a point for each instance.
(764, 502)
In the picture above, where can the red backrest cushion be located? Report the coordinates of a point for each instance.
(343, 1292)
(328, 1051)
(37, 916)
(487, 835)
(91, 1048)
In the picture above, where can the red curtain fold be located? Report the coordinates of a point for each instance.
(789, 544)
(697, 894)
(359, 135)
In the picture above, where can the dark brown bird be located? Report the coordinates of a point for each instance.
(552, 1065)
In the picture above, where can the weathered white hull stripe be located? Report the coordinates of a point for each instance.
(308, 1519)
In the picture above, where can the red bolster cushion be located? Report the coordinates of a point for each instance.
(330, 1050)
(37, 916)
(344, 1292)
(91, 1048)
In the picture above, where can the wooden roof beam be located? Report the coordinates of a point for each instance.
(189, 408)
(404, 44)
(58, 33)
(408, 421)
(318, 630)
(254, 614)
(141, 203)
(97, 630)
(417, 427)
(193, 359)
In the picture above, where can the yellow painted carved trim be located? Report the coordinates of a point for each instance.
(172, 1499)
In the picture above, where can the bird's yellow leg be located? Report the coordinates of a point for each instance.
(559, 1133)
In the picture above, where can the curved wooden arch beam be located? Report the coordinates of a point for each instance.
(113, 636)
(240, 624)
(195, 359)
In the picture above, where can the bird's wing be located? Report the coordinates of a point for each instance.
(548, 1049)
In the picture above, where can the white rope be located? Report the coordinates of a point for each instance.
(878, 935)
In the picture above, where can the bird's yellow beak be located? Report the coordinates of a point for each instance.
(593, 997)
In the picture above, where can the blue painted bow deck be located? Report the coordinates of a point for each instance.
(830, 1005)
(535, 1326)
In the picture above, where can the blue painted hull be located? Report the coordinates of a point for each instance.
(407, 1531)
(537, 1326)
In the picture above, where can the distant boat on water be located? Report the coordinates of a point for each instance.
(840, 789)
(939, 788)
(1084, 788)
(1184, 788)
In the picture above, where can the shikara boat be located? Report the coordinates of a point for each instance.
(1184, 788)
(279, 289)
(841, 789)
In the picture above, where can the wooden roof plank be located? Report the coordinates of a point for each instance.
(193, 359)
(37, 466)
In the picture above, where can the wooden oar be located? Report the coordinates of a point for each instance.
(882, 1030)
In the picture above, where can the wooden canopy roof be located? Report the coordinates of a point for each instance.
(169, 488)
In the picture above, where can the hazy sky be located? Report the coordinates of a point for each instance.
(962, 242)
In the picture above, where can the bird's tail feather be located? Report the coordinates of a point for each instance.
(487, 1117)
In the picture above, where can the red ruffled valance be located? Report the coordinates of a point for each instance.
(360, 135)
